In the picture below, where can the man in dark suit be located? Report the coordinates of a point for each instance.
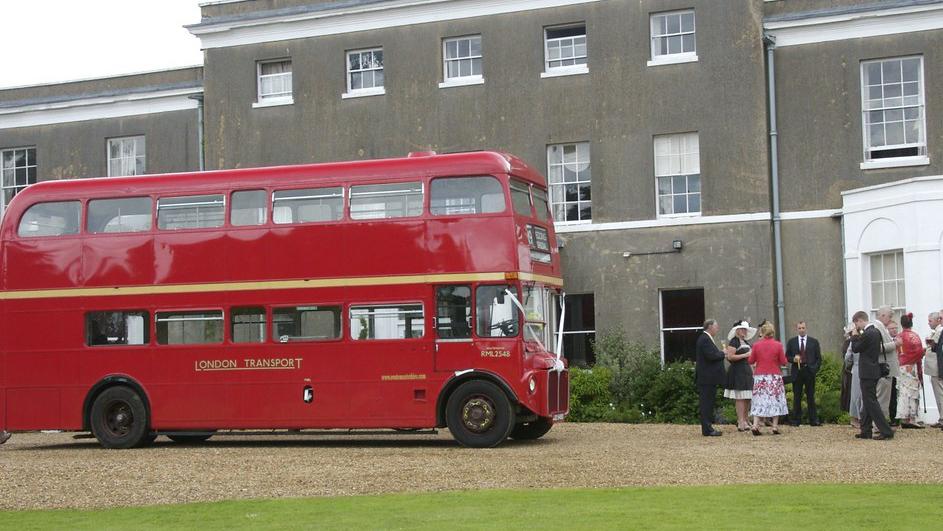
(869, 345)
(708, 374)
(803, 353)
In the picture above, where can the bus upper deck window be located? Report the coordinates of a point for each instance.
(192, 212)
(51, 219)
(465, 195)
(249, 207)
(541, 204)
(520, 197)
(131, 214)
(379, 201)
(308, 205)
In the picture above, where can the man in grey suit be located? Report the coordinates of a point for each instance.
(888, 355)
(867, 342)
(708, 374)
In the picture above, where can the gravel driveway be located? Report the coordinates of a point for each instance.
(52, 470)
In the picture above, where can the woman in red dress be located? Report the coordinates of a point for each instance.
(909, 375)
(769, 393)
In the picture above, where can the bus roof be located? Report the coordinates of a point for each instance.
(419, 164)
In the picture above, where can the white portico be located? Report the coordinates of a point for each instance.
(892, 238)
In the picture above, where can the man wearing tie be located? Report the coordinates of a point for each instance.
(708, 374)
(803, 353)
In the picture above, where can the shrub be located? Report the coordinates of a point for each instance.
(590, 394)
(827, 392)
(672, 395)
(633, 365)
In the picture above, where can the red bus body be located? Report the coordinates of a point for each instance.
(375, 278)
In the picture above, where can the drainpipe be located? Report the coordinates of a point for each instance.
(199, 130)
(770, 43)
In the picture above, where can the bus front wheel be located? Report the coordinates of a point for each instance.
(119, 418)
(479, 414)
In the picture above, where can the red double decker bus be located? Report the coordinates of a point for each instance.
(412, 293)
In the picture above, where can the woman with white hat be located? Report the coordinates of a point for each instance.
(739, 386)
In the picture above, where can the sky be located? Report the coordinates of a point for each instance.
(48, 41)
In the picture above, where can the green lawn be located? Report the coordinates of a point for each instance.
(730, 507)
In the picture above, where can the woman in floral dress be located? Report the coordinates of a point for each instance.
(910, 356)
(769, 393)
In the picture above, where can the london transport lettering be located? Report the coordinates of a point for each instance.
(248, 364)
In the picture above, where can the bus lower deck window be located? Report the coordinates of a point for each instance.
(403, 321)
(129, 327)
(190, 327)
(307, 323)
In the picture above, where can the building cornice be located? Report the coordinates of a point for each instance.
(872, 20)
(99, 106)
(354, 16)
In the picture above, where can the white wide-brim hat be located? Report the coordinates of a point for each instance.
(741, 324)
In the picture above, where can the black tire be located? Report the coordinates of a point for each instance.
(529, 431)
(189, 439)
(119, 419)
(479, 414)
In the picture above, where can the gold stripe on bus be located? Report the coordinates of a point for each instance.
(274, 285)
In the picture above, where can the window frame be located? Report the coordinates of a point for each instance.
(922, 158)
(208, 315)
(212, 200)
(460, 81)
(146, 332)
(899, 280)
(71, 207)
(401, 308)
(695, 329)
(365, 91)
(30, 154)
(274, 99)
(336, 308)
(568, 70)
(409, 207)
(671, 58)
(139, 143)
(552, 164)
(682, 154)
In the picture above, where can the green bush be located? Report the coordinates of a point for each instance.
(672, 395)
(590, 395)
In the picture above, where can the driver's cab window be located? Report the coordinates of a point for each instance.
(453, 312)
(496, 314)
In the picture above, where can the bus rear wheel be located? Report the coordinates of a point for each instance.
(529, 431)
(119, 418)
(479, 414)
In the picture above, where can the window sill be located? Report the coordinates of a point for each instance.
(463, 82)
(274, 102)
(673, 59)
(678, 216)
(897, 162)
(363, 93)
(565, 71)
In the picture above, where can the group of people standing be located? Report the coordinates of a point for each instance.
(880, 359)
(878, 354)
(753, 378)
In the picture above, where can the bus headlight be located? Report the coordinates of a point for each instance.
(532, 385)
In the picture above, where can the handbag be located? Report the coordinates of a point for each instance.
(885, 368)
